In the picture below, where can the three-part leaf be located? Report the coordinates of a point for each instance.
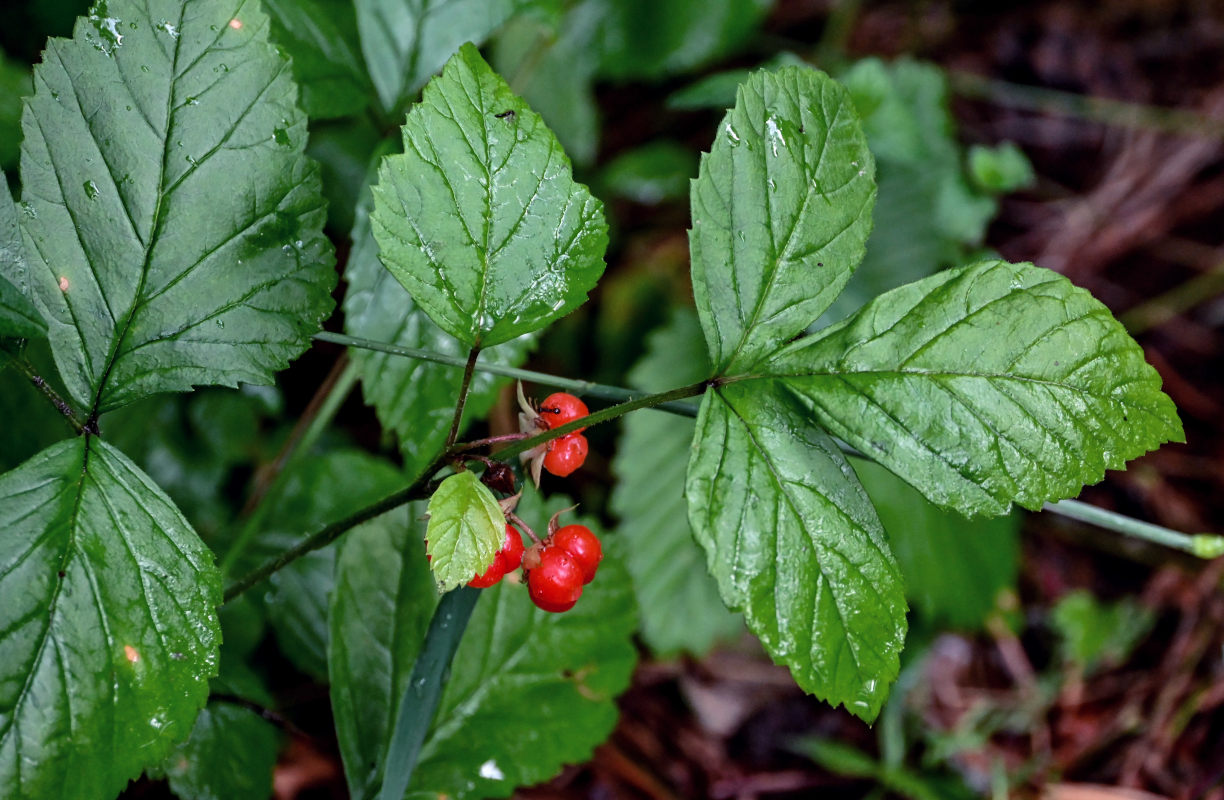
(480, 218)
(173, 224)
(565, 668)
(985, 385)
(794, 542)
(781, 211)
(108, 630)
(466, 529)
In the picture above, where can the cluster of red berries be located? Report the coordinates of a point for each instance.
(557, 568)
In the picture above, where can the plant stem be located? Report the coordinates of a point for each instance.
(1203, 545)
(586, 388)
(464, 386)
(1176, 301)
(422, 487)
(424, 689)
(40, 383)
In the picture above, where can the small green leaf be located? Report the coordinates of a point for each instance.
(321, 38)
(566, 668)
(1003, 168)
(406, 41)
(781, 211)
(18, 316)
(480, 218)
(229, 756)
(954, 568)
(173, 225)
(108, 631)
(1096, 633)
(466, 529)
(652, 173)
(641, 39)
(677, 598)
(983, 386)
(794, 543)
(412, 397)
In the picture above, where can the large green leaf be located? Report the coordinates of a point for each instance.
(466, 529)
(412, 397)
(18, 316)
(565, 668)
(321, 38)
(173, 225)
(954, 568)
(985, 385)
(781, 210)
(677, 598)
(406, 41)
(229, 756)
(480, 218)
(108, 630)
(794, 542)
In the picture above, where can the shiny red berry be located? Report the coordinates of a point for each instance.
(561, 408)
(565, 454)
(507, 559)
(583, 546)
(556, 584)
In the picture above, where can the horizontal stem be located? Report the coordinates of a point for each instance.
(1203, 545)
(602, 391)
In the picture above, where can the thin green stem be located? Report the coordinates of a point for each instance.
(1203, 545)
(423, 486)
(586, 388)
(1181, 298)
(40, 383)
(464, 386)
(1096, 109)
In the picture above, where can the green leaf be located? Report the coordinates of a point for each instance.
(793, 541)
(566, 668)
(108, 632)
(1094, 632)
(641, 39)
(173, 225)
(954, 568)
(480, 218)
(229, 756)
(983, 386)
(406, 41)
(412, 397)
(1003, 168)
(321, 38)
(677, 598)
(320, 490)
(18, 316)
(781, 210)
(652, 173)
(466, 529)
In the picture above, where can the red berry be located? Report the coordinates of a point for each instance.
(511, 554)
(491, 575)
(556, 584)
(507, 559)
(583, 546)
(561, 408)
(565, 454)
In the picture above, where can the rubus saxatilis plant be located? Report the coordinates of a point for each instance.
(169, 236)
